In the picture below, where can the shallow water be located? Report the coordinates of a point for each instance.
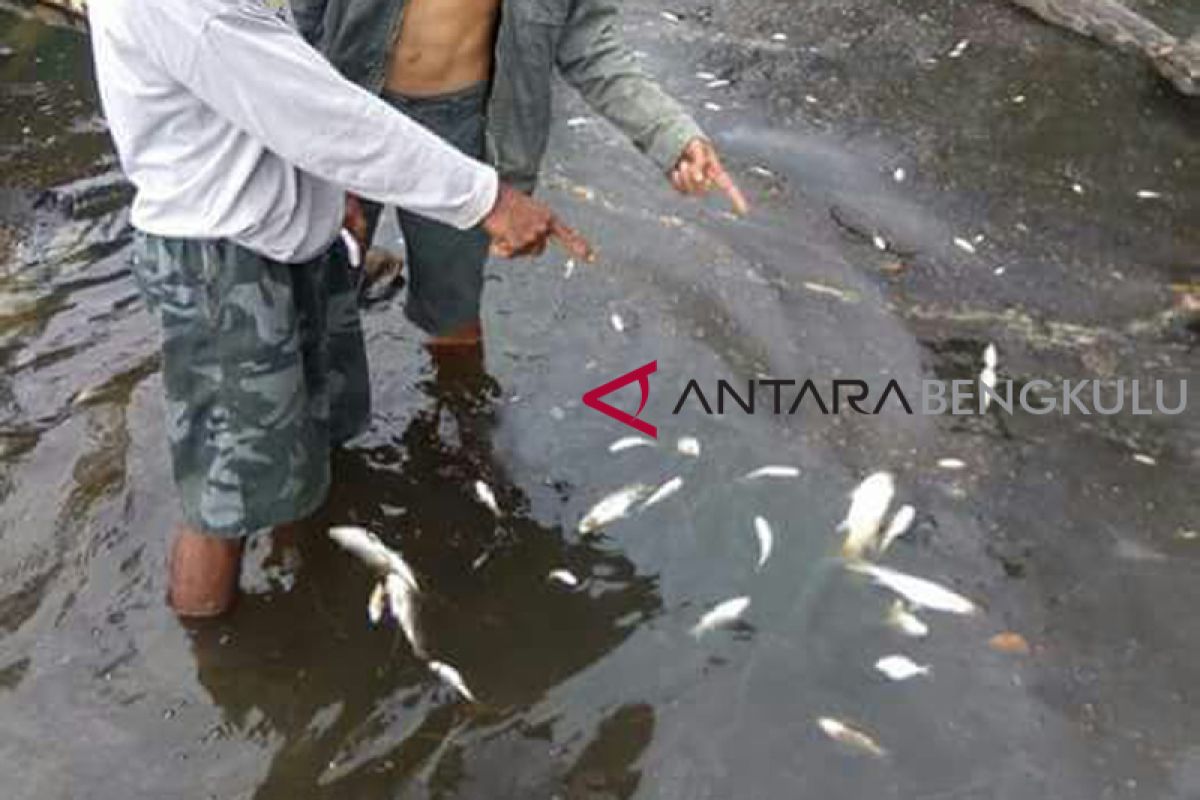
(601, 692)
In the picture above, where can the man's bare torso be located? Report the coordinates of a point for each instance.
(444, 45)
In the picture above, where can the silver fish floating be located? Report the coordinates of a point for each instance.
(851, 737)
(397, 588)
(900, 668)
(688, 446)
(487, 497)
(612, 508)
(766, 540)
(452, 678)
(565, 577)
(906, 622)
(951, 463)
(772, 471)
(367, 547)
(663, 492)
(721, 614)
(629, 442)
(987, 377)
(868, 503)
(917, 591)
(902, 520)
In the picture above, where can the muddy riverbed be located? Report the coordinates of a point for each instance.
(1079, 533)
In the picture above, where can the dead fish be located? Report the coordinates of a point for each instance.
(612, 508)
(959, 48)
(564, 576)
(900, 668)
(688, 446)
(766, 540)
(627, 442)
(721, 614)
(1146, 194)
(1077, 188)
(451, 676)
(712, 106)
(705, 76)
(669, 16)
(990, 356)
(951, 463)
(868, 503)
(906, 622)
(920, 592)
(1142, 458)
(487, 497)
(374, 553)
(402, 603)
(762, 171)
(772, 471)
(663, 492)
(779, 37)
(375, 603)
(575, 122)
(568, 269)
(899, 175)
(902, 520)
(820, 288)
(717, 84)
(964, 245)
(987, 379)
(879, 242)
(617, 323)
(851, 737)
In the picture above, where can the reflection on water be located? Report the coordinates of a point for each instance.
(357, 715)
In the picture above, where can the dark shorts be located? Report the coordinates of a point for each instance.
(444, 264)
(265, 372)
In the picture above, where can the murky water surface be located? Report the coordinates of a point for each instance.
(600, 691)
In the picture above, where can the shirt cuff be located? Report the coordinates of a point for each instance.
(483, 202)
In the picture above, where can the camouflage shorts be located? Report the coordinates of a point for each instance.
(265, 371)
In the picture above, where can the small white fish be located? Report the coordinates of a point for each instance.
(908, 623)
(402, 603)
(710, 106)
(951, 463)
(811, 99)
(920, 592)
(721, 614)
(1018, 99)
(773, 471)
(612, 508)
(628, 442)
(717, 84)
(964, 245)
(669, 16)
(487, 497)
(663, 492)
(374, 553)
(575, 122)
(879, 242)
(998, 271)
(900, 668)
(899, 175)
(375, 603)
(705, 76)
(868, 503)
(688, 446)
(987, 378)
(851, 737)
(990, 357)
(959, 48)
(779, 37)
(766, 540)
(1142, 458)
(617, 323)
(564, 576)
(902, 520)
(762, 171)
(568, 269)
(1146, 194)
(820, 288)
(1077, 188)
(452, 677)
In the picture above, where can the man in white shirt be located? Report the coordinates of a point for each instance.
(241, 142)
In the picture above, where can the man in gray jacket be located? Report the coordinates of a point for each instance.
(478, 73)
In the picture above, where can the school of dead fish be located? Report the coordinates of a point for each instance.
(866, 538)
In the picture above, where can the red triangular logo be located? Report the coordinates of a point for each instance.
(642, 376)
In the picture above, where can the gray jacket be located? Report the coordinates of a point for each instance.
(581, 38)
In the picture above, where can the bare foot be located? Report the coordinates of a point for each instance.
(204, 573)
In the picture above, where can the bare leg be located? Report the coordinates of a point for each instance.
(204, 573)
(453, 343)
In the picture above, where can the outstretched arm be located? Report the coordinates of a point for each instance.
(593, 58)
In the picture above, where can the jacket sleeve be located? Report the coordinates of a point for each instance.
(594, 59)
(310, 17)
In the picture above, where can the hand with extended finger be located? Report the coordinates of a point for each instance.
(521, 226)
(699, 170)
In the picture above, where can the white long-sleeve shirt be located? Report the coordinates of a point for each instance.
(231, 127)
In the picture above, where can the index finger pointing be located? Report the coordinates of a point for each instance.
(571, 241)
(725, 183)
